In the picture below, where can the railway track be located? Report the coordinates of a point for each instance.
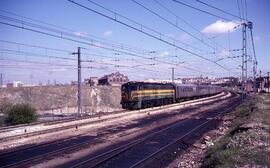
(32, 130)
(30, 146)
(141, 152)
(43, 124)
(71, 147)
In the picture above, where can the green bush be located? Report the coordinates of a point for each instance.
(21, 114)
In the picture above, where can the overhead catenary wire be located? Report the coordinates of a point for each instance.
(206, 12)
(93, 54)
(66, 65)
(74, 32)
(242, 9)
(36, 62)
(171, 23)
(246, 10)
(69, 34)
(92, 44)
(186, 22)
(177, 26)
(56, 49)
(66, 51)
(141, 26)
(38, 55)
(146, 33)
(211, 6)
(149, 59)
(61, 35)
(35, 46)
(239, 11)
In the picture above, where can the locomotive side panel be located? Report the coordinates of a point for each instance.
(139, 95)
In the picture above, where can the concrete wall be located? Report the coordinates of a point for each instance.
(63, 99)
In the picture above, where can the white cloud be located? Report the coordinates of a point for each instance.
(80, 34)
(59, 70)
(164, 54)
(220, 27)
(107, 33)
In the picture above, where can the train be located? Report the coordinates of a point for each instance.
(139, 95)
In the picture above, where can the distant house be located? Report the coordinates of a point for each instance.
(92, 81)
(9, 85)
(262, 84)
(15, 84)
(113, 79)
(74, 82)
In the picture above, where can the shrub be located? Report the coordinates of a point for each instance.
(21, 114)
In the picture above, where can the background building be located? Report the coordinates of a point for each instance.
(113, 79)
(92, 81)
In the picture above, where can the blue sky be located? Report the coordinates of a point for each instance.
(130, 52)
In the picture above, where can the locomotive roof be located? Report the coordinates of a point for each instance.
(186, 85)
(194, 85)
(153, 83)
(179, 85)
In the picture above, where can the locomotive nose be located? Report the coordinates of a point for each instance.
(124, 96)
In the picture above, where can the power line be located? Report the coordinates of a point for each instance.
(53, 49)
(37, 55)
(62, 33)
(246, 9)
(220, 17)
(242, 9)
(34, 46)
(59, 36)
(103, 48)
(233, 15)
(171, 23)
(74, 32)
(91, 44)
(140, 30)
(141, 26)
(183, 20)
(176, 25)
(38, 62)
(53, 64)
(239, 10)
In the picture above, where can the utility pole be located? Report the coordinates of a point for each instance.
(79, 82)
(244, 58)
(172, 75)
(1, 79)
(255, 62)
(260, 80)
(268, 82)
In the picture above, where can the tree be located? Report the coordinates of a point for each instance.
(21, 114)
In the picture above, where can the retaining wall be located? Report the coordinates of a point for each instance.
(63, 99)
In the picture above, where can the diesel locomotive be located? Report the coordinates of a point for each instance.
(138, 95)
